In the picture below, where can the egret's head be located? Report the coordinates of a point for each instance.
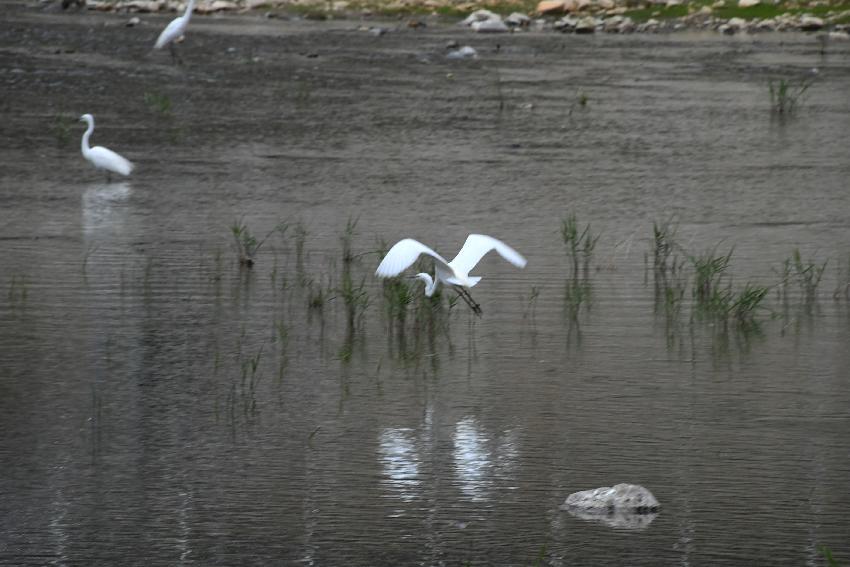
(87, 118)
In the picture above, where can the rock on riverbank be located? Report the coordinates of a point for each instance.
(567, 16)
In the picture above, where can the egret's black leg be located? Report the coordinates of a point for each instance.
(467, 298)
(175, 57)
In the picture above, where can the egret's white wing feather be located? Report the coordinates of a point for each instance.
(105, 158)
(403, 255)
(477, 246)
(171, 32)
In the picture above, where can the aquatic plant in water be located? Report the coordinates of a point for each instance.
(250, 380)
(158, 102)
(18, 289)
(579, 245)
(531, 303)
(746, 302)
(62, 124)
(354, 297)
(667, 268)
(709, 269)
(827, 555)
(787, 94)
(247, 244)
(316, 296)
(842, 287)
(300, 241)
(806, 274)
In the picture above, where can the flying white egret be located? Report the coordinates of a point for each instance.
(100, 157)
(454, 273)
(174, 31)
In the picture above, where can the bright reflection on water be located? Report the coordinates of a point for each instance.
(400, 460)
(104, 206)
(480, 462)
(472, 459)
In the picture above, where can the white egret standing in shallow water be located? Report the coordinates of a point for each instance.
(100, 157)
(174, 31)
(454, 273)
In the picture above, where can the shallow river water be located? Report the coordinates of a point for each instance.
(160, 404)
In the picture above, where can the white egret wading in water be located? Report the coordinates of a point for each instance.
(454, 273)
(174, 31)
(100, 157)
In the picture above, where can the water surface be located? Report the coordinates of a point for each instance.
(134, 428)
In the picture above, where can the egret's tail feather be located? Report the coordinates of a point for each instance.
(125, 167)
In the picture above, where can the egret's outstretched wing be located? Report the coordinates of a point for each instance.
(476, 246)
(403, 255)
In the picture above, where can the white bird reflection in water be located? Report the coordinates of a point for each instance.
(400, 460)
(472, 461)
(103, 206)
(478, 466)
(479, 461)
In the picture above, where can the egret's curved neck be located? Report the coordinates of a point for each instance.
(85, 143)
(430, 288)
(430, 284)
(189, 8)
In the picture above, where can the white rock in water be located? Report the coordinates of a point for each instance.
(490, 26)
(465, 52)
(623, 498)
(748, 3)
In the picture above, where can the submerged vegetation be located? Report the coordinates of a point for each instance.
(709, 270)
(579, 244)
(669, 280)
(714, 298)
(62, 126)
(805, 275)
(786, 95)
(246, 244)
(697, 285)
(690, 289)
(158, 102)
(18, 290)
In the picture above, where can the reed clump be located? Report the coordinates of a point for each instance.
(709, 270)
(158, 102)
(669, 279)
(579, 244)
(805, 274)
(247, 245)
(786, 95)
